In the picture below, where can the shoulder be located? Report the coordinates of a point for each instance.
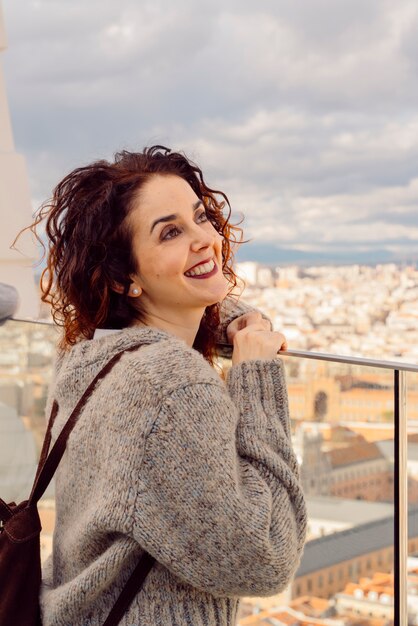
(153, 363)
(169, 365)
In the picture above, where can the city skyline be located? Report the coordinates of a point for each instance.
(307, 119)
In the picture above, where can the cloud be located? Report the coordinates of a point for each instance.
(304, 113)
(300, 176)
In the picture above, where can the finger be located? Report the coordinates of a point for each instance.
(249, 318)
(261, 326)
(241, 322)
(284, 345)
(257, 321)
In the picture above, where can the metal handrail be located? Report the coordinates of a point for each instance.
(303, 354)
(354, 360)
(338, 358)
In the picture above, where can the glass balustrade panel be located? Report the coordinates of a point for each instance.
(27, 351)
(342, 420)
(412, 420)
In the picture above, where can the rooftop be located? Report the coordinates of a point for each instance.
(358, 453)
(343, 546)
(346, 510)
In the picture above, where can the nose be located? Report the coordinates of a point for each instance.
(202, 238)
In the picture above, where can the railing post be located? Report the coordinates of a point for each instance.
(401, 500)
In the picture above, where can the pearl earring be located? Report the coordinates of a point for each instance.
(135, 291)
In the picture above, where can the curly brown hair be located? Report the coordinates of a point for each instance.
(89, 243)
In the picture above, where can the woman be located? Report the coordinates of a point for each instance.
(166, 456)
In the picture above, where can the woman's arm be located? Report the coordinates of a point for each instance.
(221, 505)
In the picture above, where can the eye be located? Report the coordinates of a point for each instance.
(202, 217)
(170, 233)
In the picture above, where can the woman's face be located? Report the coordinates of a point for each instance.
(178, 251)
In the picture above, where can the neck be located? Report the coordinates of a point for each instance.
(184, 327)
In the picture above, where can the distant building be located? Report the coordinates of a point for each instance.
(371, 597)
(314, 465)
(255, 275)
(346, 399)
(248, 272)
(327, 514)
(329, 563)
(358, 471)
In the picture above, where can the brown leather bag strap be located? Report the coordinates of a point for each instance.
(48, 463)
(131, 588)
(47, 438)
(47, 466)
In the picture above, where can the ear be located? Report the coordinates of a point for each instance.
(117, 287)
(133, 292)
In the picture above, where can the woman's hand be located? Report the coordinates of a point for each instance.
(252, 338)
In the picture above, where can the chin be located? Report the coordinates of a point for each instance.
(219, 298)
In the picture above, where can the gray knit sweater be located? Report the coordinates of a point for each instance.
(168, 458)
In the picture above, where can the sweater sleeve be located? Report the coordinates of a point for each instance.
(230, 309)
(221, 505)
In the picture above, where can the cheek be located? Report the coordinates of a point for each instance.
(165, 267)
(155, 265)
(218, 238)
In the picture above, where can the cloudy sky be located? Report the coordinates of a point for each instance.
(304, 112)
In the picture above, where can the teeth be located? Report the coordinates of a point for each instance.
(201, 269)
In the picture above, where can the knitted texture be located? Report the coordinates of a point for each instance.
(168, 458)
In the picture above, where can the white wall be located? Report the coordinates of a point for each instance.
(15, 210)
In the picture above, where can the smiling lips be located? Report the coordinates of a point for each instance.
(204, 270)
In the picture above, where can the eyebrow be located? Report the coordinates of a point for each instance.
(173, 216)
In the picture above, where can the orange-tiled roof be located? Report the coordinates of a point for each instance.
(293, 617)
(355, 620)
(285, 617)
(306, 603)
(381, 583)
(252, 620)
(357, 453)
(380, 577)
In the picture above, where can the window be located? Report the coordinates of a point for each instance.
(309, 584)
(330, 578)
(320, 580)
